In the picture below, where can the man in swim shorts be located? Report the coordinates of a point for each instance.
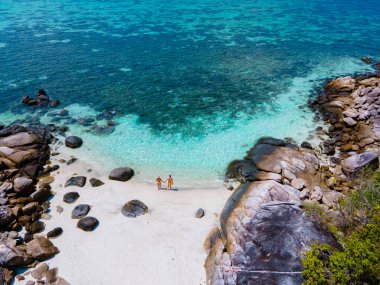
(169, 180)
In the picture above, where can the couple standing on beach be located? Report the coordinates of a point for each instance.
(169, 180)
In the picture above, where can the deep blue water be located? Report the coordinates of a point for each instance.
(184, 69)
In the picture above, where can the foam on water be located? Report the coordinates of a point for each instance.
(200, 161)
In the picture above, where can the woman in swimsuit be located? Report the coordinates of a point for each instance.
(158, 181)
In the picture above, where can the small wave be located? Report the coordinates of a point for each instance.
(59, 41)
(125, 69)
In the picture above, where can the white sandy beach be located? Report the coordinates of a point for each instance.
(165, 246)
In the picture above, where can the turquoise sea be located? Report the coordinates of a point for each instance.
(190, 84)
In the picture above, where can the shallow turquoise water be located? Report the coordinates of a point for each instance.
(194, 83)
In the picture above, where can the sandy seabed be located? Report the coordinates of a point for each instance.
(165, 246)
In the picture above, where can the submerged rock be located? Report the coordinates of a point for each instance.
(104, 130)
(122, 174)
(134, 208)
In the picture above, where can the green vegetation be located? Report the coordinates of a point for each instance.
(358, 262)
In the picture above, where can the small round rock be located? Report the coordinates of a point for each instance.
(70, 197)
(73, 142)
(56, 232)
(80, 211)
(88, 224)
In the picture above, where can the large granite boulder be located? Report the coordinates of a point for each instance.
(19, 139)
(121, 174)
(73, 142)
(262, 230)
(353, 164)
(134, 208)
(41, 248)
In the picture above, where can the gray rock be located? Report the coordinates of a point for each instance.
(56, 232)
(121, 174)
(13, 257)
(366, 141)
(316, 194)
(60, 281)
(40, 271)
(306, 144)
(88, 224)
(134, 208)
(70, 197)
(351, 113)
(6, 216)
(52, 275)
(331, 198)
(42, 194)
(80, 211)
(271, 141)
(288, 174)
(36, 227)
(73, 142)
(262, 175)
(350, 122)
(41, 248)
(200, 213)
(304, 194)
(19, 139)
(96, 182)
(79, 181)
(335, 104)
(23, 185)
(353, 164)
(298, 183)
(242, 170)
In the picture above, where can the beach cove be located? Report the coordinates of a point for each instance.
(254, 108)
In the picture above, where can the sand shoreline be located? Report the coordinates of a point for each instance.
(165, 246)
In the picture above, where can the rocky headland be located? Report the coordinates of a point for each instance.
(264, 230)
(24, 199)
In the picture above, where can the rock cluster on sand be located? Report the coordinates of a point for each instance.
(263, 228)
(24, 152)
